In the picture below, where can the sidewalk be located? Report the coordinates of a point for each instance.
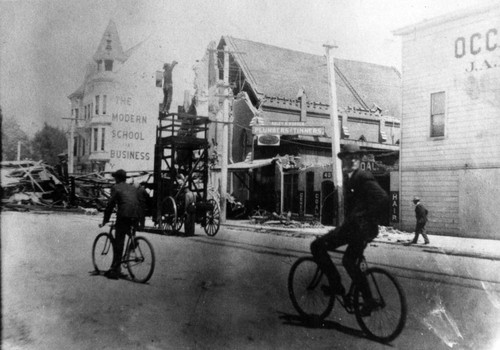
(458, 246)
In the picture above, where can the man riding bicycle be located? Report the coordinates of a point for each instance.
(125, 196)
(365, 202)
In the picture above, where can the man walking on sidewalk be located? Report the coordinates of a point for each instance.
(421, 215)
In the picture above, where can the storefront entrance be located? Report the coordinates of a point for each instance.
(329, 212)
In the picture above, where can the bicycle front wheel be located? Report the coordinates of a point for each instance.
(102, 252)
(306, 286)
(140, 260)
(387, 319)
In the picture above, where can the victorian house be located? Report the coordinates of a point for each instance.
(115, 109)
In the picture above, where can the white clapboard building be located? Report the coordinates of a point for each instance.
(450, 144)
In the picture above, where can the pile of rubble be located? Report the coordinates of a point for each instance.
(28, 185)
(31, 183)
(265, 218)
(390, 233)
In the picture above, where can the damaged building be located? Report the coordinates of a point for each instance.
(280, 154)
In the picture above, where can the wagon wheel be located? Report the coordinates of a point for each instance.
(212, 218)
(169, 218)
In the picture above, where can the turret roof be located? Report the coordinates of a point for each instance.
(110, 47)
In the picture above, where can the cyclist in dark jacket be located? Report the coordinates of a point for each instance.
(365, 201)
(124, 196)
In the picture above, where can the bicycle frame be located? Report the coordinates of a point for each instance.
(347, 301)
(129, 237)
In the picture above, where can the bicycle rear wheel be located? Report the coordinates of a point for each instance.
(387, 320)
(102, 252)
(306, 287)
(140, 260)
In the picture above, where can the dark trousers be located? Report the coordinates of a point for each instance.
(356, 237)
(122, 228)
(167, 97)
(420, 230)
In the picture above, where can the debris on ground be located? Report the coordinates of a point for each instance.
(266, 218)
(31, 185)
(391, 233)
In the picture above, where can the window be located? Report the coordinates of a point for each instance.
(102, 139)
(108, 65)
(75, 146)
(95, 139)
(104, 100)
(91, 109)
(99, 65)
(437, 114)
(76, 113)
(83, 147)
(97, 105)
(85, 110)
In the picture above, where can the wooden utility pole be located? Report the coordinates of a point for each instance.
(71, 161)
(334, 117)
(18, 150)
(225, 140)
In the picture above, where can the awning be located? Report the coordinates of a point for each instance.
(248, 165)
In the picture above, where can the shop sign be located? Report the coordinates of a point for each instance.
(394, 206)
(369, 166)
(285, 123)
(301, 203)
(268, 140)
(130, 139)
(478, 49)
(317, 203)
(288, 130)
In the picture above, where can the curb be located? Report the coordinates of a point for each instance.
(303, 233)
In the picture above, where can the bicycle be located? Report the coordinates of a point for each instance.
(138, 256)
(310, 294)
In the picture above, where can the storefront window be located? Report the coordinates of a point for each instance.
(437, 114)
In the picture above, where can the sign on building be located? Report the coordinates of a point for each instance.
(395, 206)
(288, 130)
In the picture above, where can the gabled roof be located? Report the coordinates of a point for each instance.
(110, 46)
(277, 72)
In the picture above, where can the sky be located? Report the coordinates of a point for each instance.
(46, 44)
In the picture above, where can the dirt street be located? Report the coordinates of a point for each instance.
(222, 292)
